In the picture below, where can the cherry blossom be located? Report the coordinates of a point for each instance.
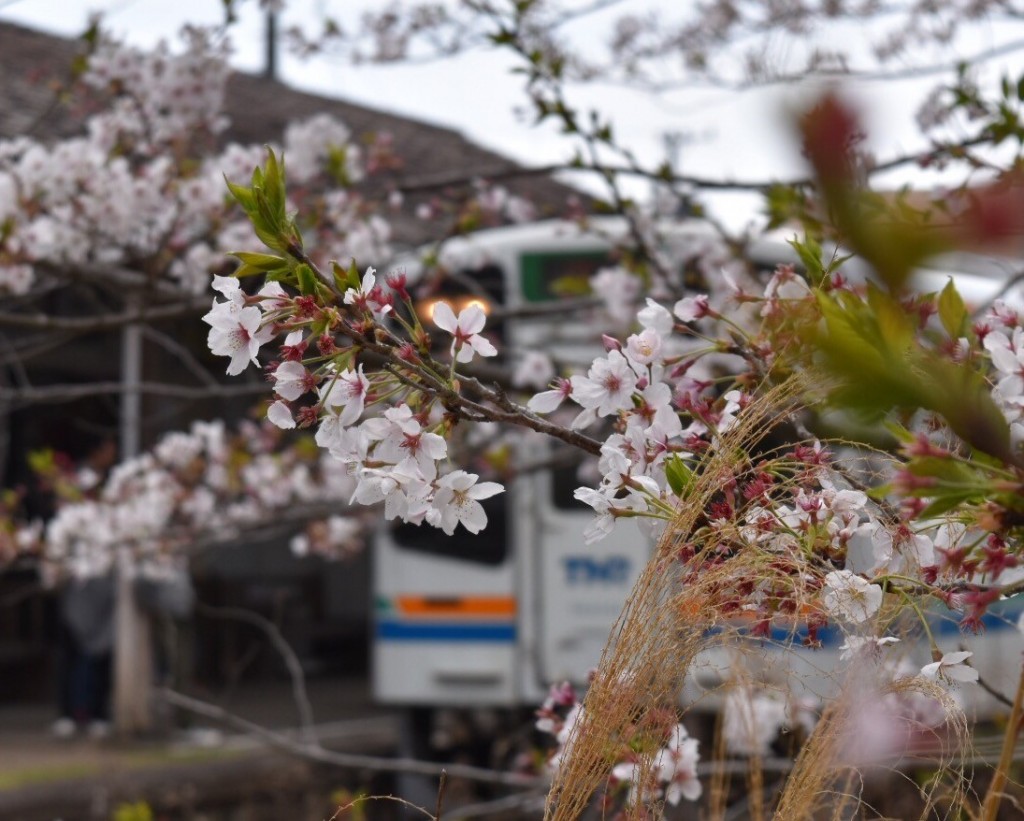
(280, 415)
(346, 390)
(401, 437)
(850, 597)
(752, 720)
(549, 401)
(465, 329)
(607, 387)
(951, 667)
(236, 333)
(291, 380)
(619, 290)
(457, 501)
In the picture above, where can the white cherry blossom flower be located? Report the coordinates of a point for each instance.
(402, 489)
(231, 289)
(951, 668)
(608, 510)
(677, 765)
(691, 308)
(280, 415)
(457, 501)
(348, 391)
(851, 598)
(535, 370)
(607, 387)
(466, 330)
(274, 298)
(566, 735)
(751, 720)
(290, 380)
(401, 437)
(673, 772)
(858, 645)
(236, 333)
(655, 317)
(1008, 358)
(549, 401)
(618, 290)
(643, 348)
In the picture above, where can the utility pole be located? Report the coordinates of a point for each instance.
(270, 45)
(133, 639)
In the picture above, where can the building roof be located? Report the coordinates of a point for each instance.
(33, 64)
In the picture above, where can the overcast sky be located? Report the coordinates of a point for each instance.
(730, 135)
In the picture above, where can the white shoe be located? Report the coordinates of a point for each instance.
(63, 728)
(99, 730)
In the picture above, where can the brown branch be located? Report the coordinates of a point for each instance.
(45, 322)
(273, 634)
(184, 355)
(55, 394)
(314, 752)
(508, 172)
(860, 75)
(994, 796)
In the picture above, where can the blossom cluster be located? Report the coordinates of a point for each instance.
(671, 390)
(143, 188)
(204, 485)
(397, 457)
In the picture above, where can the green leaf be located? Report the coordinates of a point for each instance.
(944, 504)
(809, 252)
(881, 365)
(353, 276)
(306, 279)
(900, 432)
(340, 276)
(242, 195)
(259, 262)
(678, 474)
(952, 311)
(273, 187)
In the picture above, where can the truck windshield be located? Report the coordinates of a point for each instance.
(489, 547)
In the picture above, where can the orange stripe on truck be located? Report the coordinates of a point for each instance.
(456, 606)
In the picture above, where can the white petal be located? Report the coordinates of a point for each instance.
(444, 318)
(485, 490)
(279, 414)
(545, 402)
(472, 319)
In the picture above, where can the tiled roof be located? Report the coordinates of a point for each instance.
(259, 109)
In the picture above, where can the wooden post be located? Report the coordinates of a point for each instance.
(133, 639)
(133, 658)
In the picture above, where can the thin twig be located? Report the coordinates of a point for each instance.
(271, 631)
(507, 172)
(315, 752)
(184, 355)
(45, 322)
(993, 797)
(442, 784)
(1002, 698)
(56, 394)
(526, 802)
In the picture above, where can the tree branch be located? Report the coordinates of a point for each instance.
(45, 322)
(184, 355)
(273, 634)
(314, 752)
(56, 394)
(424, 184)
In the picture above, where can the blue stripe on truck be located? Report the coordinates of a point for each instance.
(445, 631)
